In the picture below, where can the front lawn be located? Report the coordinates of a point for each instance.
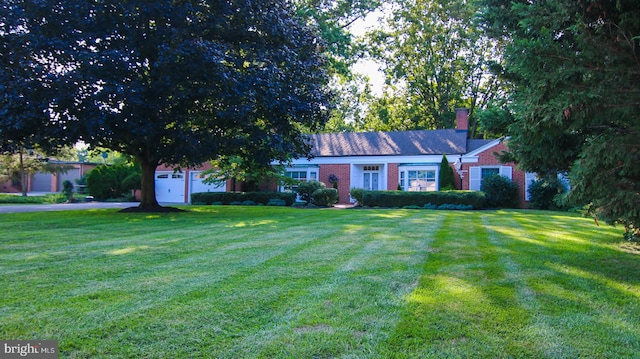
(272, 282)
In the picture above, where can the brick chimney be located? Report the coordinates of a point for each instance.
(462, 119)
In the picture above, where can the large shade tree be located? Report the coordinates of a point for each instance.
(437, 60)
(575, 66)
(181, 82)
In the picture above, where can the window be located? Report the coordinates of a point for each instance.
(418, 179)
(478, 173)
(529, 178)
(299, 175)
(488, 172)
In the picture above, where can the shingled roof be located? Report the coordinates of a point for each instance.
(402, 143)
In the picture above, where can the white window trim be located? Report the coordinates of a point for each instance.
(312, 173)
(406, 169)
(475, 175)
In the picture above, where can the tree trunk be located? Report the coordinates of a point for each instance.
(23, 176)
(148, 191)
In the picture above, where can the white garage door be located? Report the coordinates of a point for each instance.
(196, 184)
(170, 187)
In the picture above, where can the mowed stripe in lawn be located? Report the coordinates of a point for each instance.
(512, 284)
(221, 283)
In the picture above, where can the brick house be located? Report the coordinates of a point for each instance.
(407, 160)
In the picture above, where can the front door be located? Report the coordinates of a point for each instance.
(370, 181)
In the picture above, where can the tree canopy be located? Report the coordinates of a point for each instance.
(179, 83)
(575, 67)
(436, 60)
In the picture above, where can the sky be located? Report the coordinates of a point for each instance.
(366, 66)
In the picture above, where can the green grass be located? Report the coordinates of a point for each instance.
(269, 282)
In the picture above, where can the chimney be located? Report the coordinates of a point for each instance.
(462, 119)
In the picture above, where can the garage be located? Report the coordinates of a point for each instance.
(170, 187)
(197, 185)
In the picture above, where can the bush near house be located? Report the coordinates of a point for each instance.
(404, 199)
(500, 192)
(447, 179)
(306, 189)
(226, 198)
(113, 181)
(544, 192)
(325, 197)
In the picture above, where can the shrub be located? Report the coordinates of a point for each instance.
(544, 193)
(106, 182)
(358, 194)
(306, 189)
(500, 192)
(402, 199)
(446, 178)
(325, 197)
(67, 189)
(227, 198)
(276, 202)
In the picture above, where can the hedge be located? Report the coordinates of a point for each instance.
(226, 198)
(403, 199)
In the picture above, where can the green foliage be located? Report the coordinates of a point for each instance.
(358, 195)
(244, 79)
(574, 65)
(325, 197)
(400, 199)
(306, 189)
(49, 198)
(108, 182)
(277, 202)
(436, 60)
(67, 189)
(494, 121)
(500, 192)
(544, 193)
(239, 198)
(447, 179)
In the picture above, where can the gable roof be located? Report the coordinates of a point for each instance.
(474, 144)
(401, 143)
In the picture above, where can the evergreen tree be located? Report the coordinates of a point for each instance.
(575, 68)
(447, 180)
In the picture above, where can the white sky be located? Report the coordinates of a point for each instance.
(369, 67)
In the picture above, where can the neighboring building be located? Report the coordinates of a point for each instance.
(407, 160)
(45, 182)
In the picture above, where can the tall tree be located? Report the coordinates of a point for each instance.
(334, 18)
(438, 60)
(575, 66)
(179, 83)
(30, 80)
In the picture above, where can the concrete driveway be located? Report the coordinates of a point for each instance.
(64, 206)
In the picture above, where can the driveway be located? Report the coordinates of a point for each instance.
(64, 206)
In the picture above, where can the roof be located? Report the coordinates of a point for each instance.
(474, 144)
(401, 143)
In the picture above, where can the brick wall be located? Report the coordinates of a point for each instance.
(392, 176)
(342, 171)
(487, 158)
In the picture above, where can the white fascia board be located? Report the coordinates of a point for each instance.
(360, 160)
(478, 151)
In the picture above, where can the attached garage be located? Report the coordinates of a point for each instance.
(197, 185)
(41, 182)
(170, 187)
